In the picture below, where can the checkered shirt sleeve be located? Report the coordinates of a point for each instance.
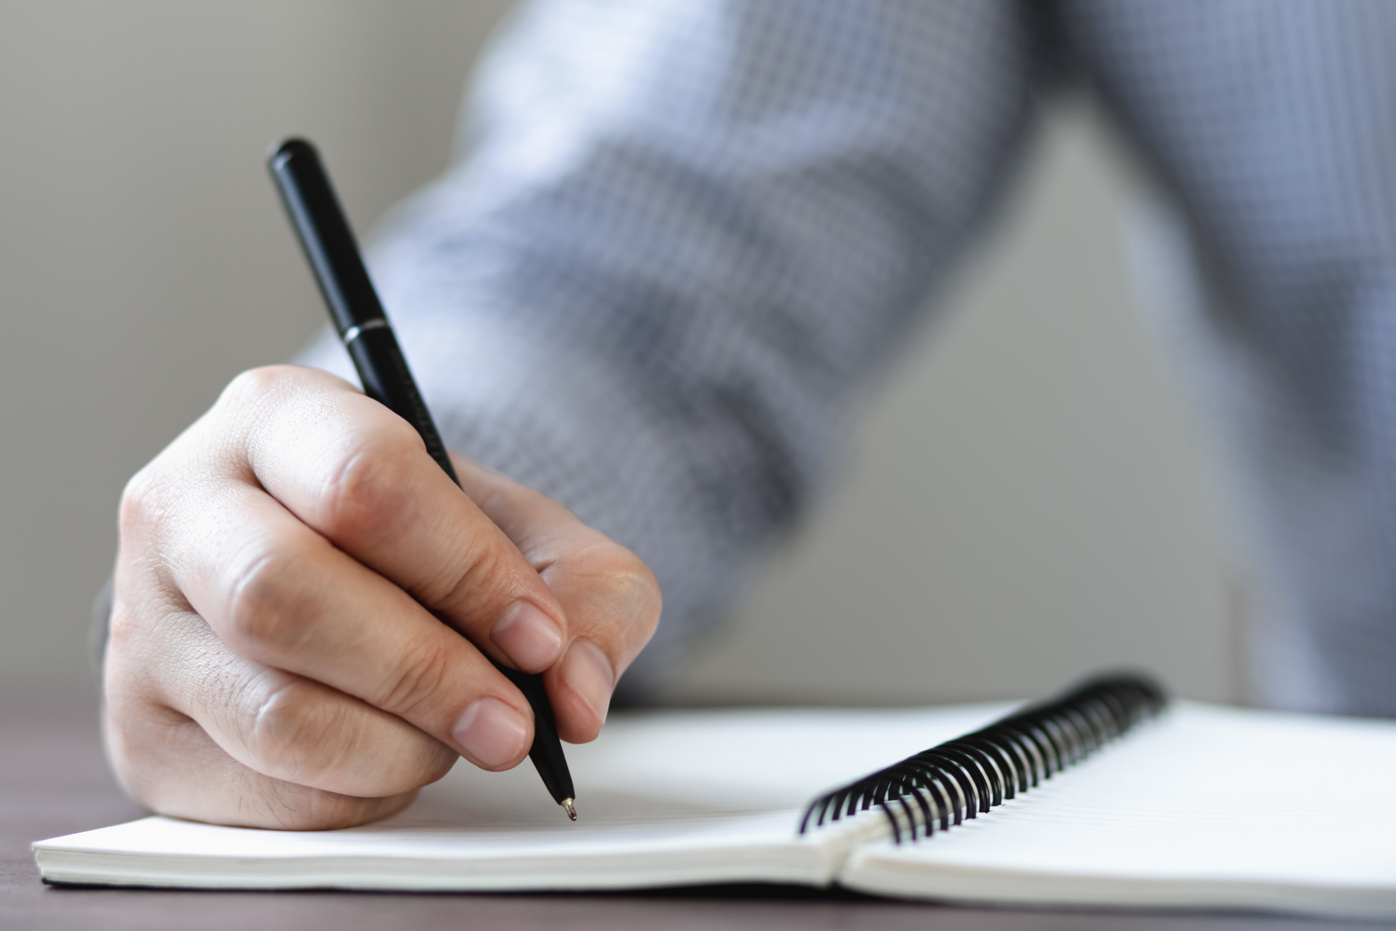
(680, 236)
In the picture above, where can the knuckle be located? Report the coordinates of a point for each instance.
(123, 626)
(253, 387)
(629, 587)
(287, 730)
(420, 679)
(367, 493)
(267, 614)
(142, 503)
(484, 565)
(300, 733)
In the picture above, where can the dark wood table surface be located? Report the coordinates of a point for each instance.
(53, 781)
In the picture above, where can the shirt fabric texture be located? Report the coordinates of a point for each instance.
(681, 236)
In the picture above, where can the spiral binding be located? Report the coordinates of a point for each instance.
(971, 774)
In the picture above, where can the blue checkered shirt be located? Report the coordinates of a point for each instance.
(681, 234)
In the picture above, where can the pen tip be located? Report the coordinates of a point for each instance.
(570, 808)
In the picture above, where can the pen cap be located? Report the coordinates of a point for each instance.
(325, 234)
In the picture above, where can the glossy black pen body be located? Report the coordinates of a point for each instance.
(363, 327)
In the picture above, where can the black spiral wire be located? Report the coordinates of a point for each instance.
(971, 774)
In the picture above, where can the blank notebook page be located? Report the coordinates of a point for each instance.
(671, 798)
(1206, 805)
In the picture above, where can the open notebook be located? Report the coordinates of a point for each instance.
(1199, 806)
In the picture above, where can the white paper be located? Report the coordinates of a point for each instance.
(1206, 807)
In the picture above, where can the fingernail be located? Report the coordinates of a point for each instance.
(527, 636)
(491, 732)
(587, 670)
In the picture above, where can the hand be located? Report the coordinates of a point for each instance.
(278, 656)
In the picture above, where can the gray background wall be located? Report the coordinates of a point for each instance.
(1027, 498)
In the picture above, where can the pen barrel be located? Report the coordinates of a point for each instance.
(325, 234)
(383, 371)
(546, 752)
(358, 315)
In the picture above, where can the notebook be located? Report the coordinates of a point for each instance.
(1137, 802)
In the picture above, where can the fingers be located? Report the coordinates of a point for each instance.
(281, 596)
(610, 597)
(574, 603)
(277, 655)
(361, 477)
(276, 723)
(168, 763)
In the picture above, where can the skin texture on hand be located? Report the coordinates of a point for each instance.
(304, 604)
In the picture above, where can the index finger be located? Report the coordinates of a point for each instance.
(361, 477)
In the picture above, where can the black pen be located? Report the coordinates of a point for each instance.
(363, 327)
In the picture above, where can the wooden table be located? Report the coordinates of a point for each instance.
(53, 781)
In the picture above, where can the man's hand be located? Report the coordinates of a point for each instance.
(304, 604)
